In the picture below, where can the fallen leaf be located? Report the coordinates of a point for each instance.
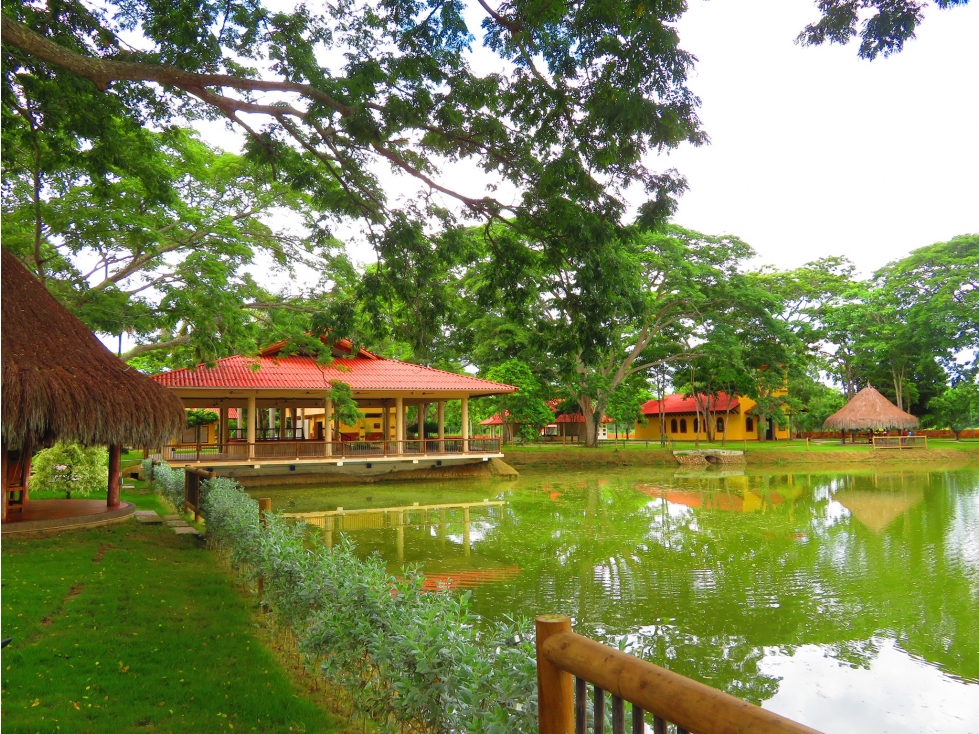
(75, 704)
(37, 702)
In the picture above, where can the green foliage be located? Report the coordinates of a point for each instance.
(407, 657)
(525, 412)
(957, 408)
(883, 26)
(345, 408)
(68, 468)
(201, 417)
(169, 484)
(164, 260)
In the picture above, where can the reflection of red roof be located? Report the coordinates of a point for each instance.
(365, 371)
(679, 403)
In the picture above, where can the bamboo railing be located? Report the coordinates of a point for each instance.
(567, 663)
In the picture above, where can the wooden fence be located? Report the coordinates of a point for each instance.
(567, 663)
(900, 442)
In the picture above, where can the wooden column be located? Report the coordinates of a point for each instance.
(422, 410)
(222, 427)
(440, 414)
(112, 495)
(399, 424)
(555, 688)
(252, 419)
(465, 423)
(386, 424)
(302, 422)
(328, 425)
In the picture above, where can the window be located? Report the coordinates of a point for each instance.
(749, 424)
(696, 425)
(673, 425)
(683, 425)
(720, 425)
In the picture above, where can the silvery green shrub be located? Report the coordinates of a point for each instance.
(169, 484)
(147, 467)
(405, 655)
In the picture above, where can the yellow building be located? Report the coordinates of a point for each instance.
(730, 418)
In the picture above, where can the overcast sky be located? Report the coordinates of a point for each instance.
(816, 152)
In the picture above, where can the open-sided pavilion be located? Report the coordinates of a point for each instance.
(283, 406)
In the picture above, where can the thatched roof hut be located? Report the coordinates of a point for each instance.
(869, 410)
(61, 383)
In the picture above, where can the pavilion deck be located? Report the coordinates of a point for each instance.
(308, 451)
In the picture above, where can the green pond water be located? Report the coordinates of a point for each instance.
(848, 601)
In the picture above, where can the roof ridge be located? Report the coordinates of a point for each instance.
(446, 372)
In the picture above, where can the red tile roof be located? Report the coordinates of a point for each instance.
(679, 403)
(302, 373)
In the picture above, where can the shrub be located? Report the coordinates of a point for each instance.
(147, 467)
(169, 484)
(68, 467)
(405, 656)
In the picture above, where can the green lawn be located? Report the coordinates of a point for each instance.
(825, 445)
(134, 628)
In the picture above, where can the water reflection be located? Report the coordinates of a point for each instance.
(731, 577)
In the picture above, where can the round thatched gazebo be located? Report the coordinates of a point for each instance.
(870, 411)
(60, 383)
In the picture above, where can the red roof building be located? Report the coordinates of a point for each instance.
(681, 404)
(278, 396)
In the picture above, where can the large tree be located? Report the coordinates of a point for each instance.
(171, 270)
(329, 97)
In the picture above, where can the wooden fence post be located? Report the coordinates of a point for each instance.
(264, 506)
(555, 688)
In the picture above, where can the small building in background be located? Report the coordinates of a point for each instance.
(730, 418)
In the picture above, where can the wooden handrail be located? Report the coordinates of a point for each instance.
(690, 705)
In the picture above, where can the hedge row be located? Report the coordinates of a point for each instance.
(407, 657)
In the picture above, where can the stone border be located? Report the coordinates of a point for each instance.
(122, 513)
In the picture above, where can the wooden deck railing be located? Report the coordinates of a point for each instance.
(239, 451)
(567, 663)
(900, 442)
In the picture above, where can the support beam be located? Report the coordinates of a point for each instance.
(252, 418)
(271, 431)
(422, 411)
(222, 427)
(440, 416)
(465, 423)
(386, 424)
(399, 423)
(328, 425)
(112, 495)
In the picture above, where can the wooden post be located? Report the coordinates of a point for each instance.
(112, 495)
(399, 424)
(264, 506)
(465, 424)
(440, 412)
(422, 411)
(555, 688)
(386, 425)
(252, 419)
(328, 425)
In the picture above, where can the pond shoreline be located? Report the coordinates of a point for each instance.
(577, 458)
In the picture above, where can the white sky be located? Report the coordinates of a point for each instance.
(816, 152)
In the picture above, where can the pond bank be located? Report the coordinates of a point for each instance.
(578, 458)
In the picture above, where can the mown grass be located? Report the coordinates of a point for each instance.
(134, 628)
(822, 445)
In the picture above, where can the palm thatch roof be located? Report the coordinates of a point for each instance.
(869, 410)
(61, 383)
